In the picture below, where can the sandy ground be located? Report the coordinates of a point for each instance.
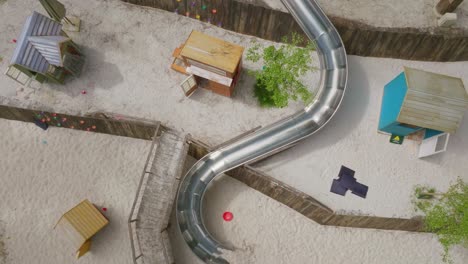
(120, 83)
(128, 51)
(44, 174)
(351, 139)
(382, 13)
(265, 232)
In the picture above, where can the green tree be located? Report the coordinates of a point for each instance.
(446, 214)
(278, 80)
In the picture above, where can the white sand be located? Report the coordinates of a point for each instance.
(351, 139)
(128, 51)
(41, 181)
(382, 13)
(266, 232)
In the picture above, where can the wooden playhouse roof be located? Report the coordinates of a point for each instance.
(38, 45)
(81, 223)
(212, 51)
(433, 101)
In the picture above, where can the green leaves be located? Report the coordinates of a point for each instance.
(446, 214)
(278, 81)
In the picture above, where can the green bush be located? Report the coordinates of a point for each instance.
(278, 80)
(446, 214)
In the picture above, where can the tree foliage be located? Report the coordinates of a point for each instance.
(446, 214)
(278, 81)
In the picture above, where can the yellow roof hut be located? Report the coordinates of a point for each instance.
(80, 224)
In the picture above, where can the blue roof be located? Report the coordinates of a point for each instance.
(38, 57)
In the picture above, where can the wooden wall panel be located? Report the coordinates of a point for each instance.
(428, 44)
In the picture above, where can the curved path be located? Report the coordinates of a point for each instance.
(271, 139)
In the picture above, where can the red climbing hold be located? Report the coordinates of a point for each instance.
(14, 40)
(104, 209)
(228, 216)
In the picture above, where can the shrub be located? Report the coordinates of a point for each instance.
(278, 81)
(446, 214)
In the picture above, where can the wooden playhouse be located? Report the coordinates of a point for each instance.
(44, 53)
(80, 224)
(211, 63)
(419, 100)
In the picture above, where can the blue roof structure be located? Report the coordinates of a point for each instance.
(38, 46)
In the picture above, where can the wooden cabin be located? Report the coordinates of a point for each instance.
(419, 100)
(80, 224)
(44, 53)
(212, 63)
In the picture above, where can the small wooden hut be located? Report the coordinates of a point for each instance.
(80, 224)
(214, 63)
(416, 100)
(44, 52)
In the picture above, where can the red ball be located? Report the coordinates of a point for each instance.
(214, 11)
(228, 216)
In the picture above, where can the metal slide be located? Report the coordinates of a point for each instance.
(270, 139)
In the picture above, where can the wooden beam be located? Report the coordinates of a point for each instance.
(447, 6)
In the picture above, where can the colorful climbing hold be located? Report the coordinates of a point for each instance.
(14, 40)
(93, 127)
(228, 216)
(48, 119)
(219, 24)
(81, 122)
(55, 117)
(193, 3)
(43, 120)
(104, 209)
(54, 114)
(83, 92)
(59, 125)
(197, 17)
(44, 142)
(214, 11)
(64, 119)
(187, 13)
(72, 127)
(203, 7)
(88, 129)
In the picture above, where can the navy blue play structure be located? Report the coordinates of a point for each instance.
(346, 181)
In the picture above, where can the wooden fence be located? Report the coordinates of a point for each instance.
(305, 204)
(281, 192)
(100, 124)
(429, 44)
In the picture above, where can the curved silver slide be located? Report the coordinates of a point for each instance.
(271, 139)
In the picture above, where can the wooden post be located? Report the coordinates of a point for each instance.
(447, 6)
